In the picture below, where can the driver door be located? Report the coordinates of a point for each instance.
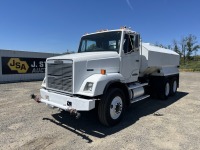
(130, 58)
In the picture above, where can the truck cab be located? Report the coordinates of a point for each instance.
(109, 72)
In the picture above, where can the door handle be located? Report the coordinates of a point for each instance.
(137, 60)
(135, 74)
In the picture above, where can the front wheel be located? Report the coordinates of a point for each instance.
(111, 107)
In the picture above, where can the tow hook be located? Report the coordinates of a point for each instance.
(74, 112)
(36, 98)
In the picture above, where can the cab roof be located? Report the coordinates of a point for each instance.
(106, 30)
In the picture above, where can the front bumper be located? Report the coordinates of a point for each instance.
(66, 102)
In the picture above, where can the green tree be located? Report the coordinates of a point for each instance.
(160, 45)
(169, 47)
(183, 44)
(191, 46)
(176, 47)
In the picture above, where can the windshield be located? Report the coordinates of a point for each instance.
(107, 41)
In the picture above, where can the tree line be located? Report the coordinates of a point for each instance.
(185, 47)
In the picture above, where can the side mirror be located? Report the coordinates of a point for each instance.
(137, 41)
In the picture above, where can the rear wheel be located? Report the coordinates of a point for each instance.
(111, 107)
(173, 87)
(165, 90)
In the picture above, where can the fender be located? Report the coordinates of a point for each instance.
(120, 85)
(99, 83)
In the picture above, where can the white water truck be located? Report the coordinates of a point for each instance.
(111, 70)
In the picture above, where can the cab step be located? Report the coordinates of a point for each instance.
(137, 86)
(139, 98)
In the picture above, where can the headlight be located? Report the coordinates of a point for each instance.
(88, 86)
(44, 83)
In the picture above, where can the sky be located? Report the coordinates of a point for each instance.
(57, 25)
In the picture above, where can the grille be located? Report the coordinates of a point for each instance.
(59, 76)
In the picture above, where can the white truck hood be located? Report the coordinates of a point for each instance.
(87, 56)
(89, 63)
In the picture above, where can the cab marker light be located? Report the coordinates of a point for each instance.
(103, 71)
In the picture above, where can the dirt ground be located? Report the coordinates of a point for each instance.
(151, 124)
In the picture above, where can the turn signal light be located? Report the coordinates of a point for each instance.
(103, 72)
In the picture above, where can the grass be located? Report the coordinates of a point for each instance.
(190, 66)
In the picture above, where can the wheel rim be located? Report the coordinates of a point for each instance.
(116, 107)
(167, 89)
(174, 86)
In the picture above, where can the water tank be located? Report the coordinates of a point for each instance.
(154, 58)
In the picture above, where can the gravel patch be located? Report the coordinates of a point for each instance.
(150, 124)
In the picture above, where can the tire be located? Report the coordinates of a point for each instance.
(173, 87)
(111, 107)
(165, 90)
